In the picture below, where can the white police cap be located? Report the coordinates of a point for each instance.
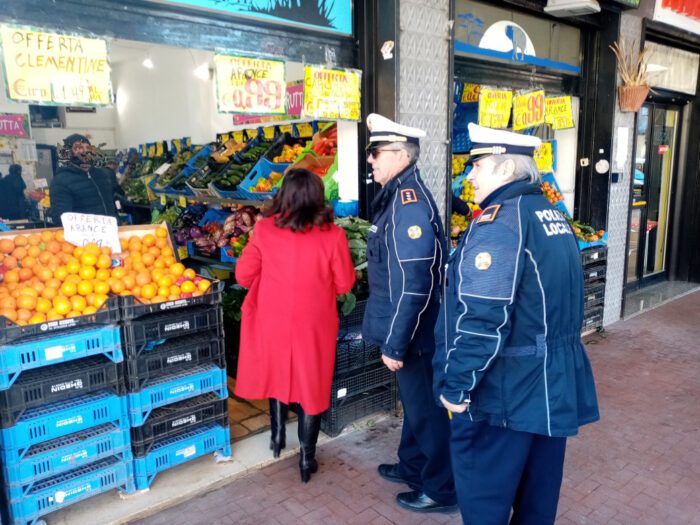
(487, 141)
(381, 129)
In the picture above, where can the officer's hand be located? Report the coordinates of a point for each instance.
(392, 364)
(458, 409)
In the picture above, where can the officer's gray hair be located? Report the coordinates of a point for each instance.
(525, 167)
(413, 151)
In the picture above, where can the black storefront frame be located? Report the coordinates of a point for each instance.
(596, 89)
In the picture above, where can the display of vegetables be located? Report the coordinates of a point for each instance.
(357, 231)
(327, 142)
(135, 190)
(170, 214)
(584, 232)
(289, 153)
(234, 231)
(229, 178)
(176, 166)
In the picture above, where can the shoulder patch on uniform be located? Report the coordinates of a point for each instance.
(489, 214)
(408, 196)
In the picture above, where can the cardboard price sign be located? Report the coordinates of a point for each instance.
(544, 157)
(470, 93)
(558, 112)
(494, 107)
(250, 85)
(82, 228)
(528, 110)
(55, 69)
(332, 93)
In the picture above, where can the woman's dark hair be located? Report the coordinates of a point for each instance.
(300, 203)
(15, 169)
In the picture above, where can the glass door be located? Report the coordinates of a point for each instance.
(657, 133)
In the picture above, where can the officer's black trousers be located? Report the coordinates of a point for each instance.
(424, 458)
(497, 469)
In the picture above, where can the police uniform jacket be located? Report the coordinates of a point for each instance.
(512, 319)
(405, 248)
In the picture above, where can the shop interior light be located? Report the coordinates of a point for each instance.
(202, 72)
(148, 63)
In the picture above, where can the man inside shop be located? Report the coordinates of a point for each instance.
(405, 250)
(78, 186)
(509, 363)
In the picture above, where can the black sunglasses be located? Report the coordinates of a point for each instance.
(374, 152)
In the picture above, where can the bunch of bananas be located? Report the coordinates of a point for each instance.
(459, 162)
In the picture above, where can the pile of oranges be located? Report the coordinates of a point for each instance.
(552, 195)
(45, 278)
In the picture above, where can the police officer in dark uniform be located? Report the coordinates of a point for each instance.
(511, 367)
(405, 250)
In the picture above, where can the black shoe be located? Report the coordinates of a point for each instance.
(419, 502)
(278, 420)
(308, 428)
(390, 472)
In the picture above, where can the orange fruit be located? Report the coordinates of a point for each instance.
(73, 314)
(10, 261)
(136, 291)
(75, 279)
(85, 288)
(61, 304)
(142, 278)
(8, 303)
(129, 282)
(101, 287)
(148, 259)
(49, 293)
(78, 251)
(102, 274)
(68, 289)
(159, 264)
(173, 297)
(106, 250)
(104, 261)
(175, 290)
(20, 253)
(43, 305)
(10, 313)
(99, 300)
(89, 310)
(46, 236)
(159, 299)
(162, 243)
(12, 276)
(163, 291)
(148, 291)
(203, 285)
(54, 283)
(157, 274)
(154, 250)
(87, 272)
(148, 240)
(53, 316)
(53, 247)
(88, 259)
(59, 236)
(61, 273)
(43, 273)
(124, 243)
(37, 318)
(23, 315)
(78, 302)
(188, 287)
(92, 248)
(117, 286)
(28, 262)
(73, 267)
(189, 273)
(118, 272)
(27, 290)
(34, 239)
(27, 302)
(45, 257)
(166, 281)
(21, 240)
(67, 248)
(25, 274)
(162, 232)
(7, 245)
(33, 251)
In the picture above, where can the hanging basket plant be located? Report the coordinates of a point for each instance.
(633, 72)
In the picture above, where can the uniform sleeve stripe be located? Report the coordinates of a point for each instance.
(477, 334)
(418, 259)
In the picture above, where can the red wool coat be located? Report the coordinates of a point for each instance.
(290, 320)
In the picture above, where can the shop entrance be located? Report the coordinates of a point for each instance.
(657, 133)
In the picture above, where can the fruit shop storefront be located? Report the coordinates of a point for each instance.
(201, 108)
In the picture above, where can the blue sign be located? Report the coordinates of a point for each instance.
(325, 15)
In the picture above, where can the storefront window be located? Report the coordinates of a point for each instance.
(672, 69)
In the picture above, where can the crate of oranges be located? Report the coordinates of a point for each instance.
(49, 284)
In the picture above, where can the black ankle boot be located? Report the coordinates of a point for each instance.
(278, 421)
(309, 427)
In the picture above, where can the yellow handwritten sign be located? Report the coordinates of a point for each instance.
(249, 85)
(494, 107)
(55, 69)
(332, 93)
(238, 136)
(304, 129)
(269, 133)
(544, 158)
(470, 93)
(528, 110)
(558, 112)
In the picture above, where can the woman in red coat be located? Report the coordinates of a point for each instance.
(295, 264)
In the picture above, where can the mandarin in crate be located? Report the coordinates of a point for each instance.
(117, 286)
(53, 247)
(148, 291)
(49, 293)
(188, 287)
(104, 261)
(25, 274)
(100, 299)
(10, 262)
(10, 313)
(73, 267)
(148, 240)
(89, 310)
(37, 318)
(159, 299)
(34, 239)
(161, 232)
(28, 262)
(88, 259)
(7, 245)
(45, 258)
(23, 315)
(33, 251)
(87, 272)
(102, 274)
(101, 287)
(78, 303)
(43, 305)
(20, 253)
(203, 285)
(21, 240)
(53, 316)
(68, 289)
(85, 288)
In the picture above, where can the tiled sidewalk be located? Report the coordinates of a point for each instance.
(639, 465)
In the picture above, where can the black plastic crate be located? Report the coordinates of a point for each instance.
(155, 361)
(360, 381)
(350, 409)
(594, 294)
(40, 386)
(351, 355)
(179, 417)
(132, 308)
(350, 326)
(592, 318)
(162, 326)
(109, 313)
(594, 273)
(594, 255)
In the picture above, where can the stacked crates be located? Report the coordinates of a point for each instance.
(594, 263)
(64, 432)
(362, 385)
(176, 382)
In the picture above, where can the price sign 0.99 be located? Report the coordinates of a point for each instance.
(528, 110)
(249, 85)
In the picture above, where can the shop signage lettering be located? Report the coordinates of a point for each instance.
(528, 110)
(55, 69)
(82, 228)
(544, 158)
(250, 85)
(470, 93)
(494, 107)
(14, 125)
(332, 93)
(558, 112)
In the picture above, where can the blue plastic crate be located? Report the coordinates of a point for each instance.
(67, 453)
(65, 346)
(262, 169)
(61, 418)
(176, 387)
(65, 489)
(168, 190)
(185, 447)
